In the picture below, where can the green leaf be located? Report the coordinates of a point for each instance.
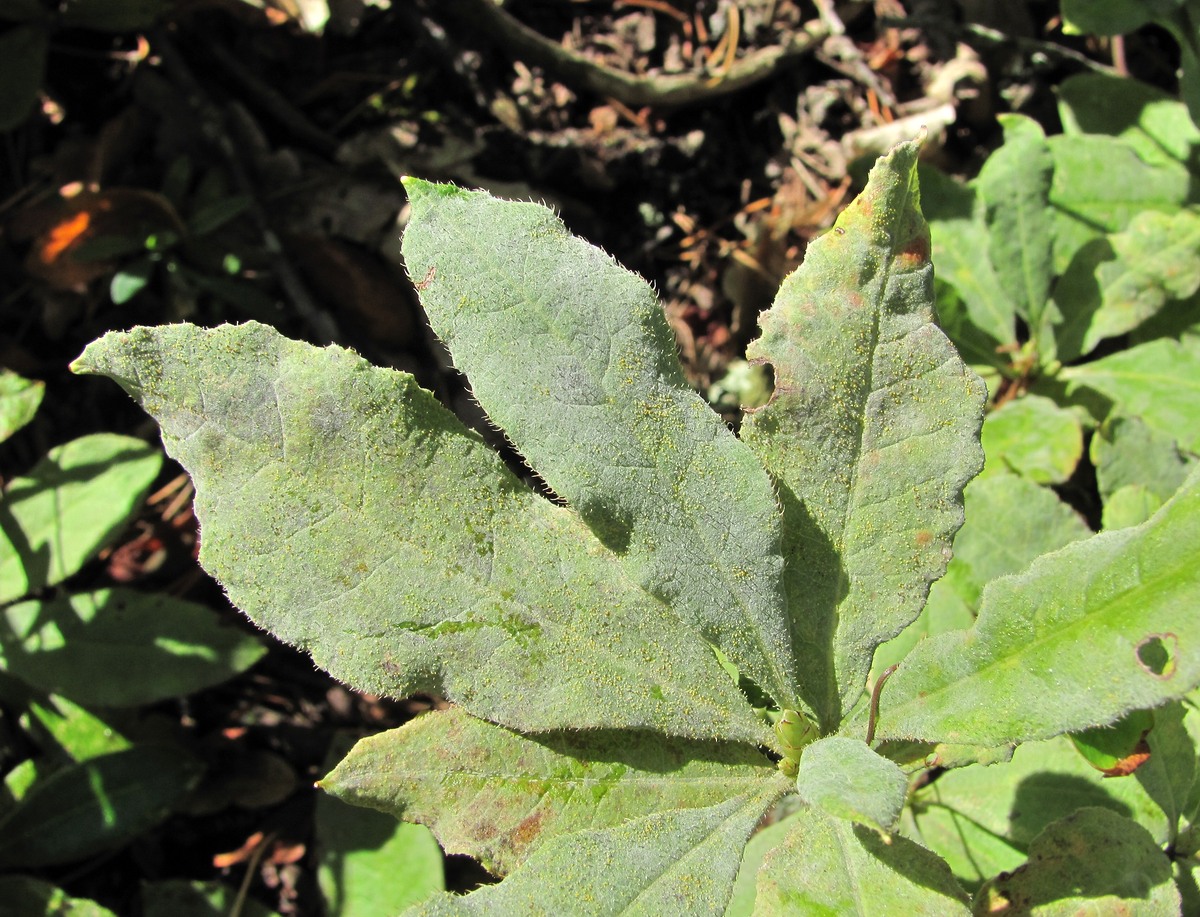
(131, 279)
(72, 504)
(1029, 668)
(497, 795)
(19, 401)
(1101, 184)
(78, 732)
(1113, 285)
(212, 216)
(165, 647)
(829, 866)
(1106, 17)
(846, 779)
(1158, 381)
(23, 50)
(871, 435)
(1010, 521)
(1169, 776)
(371, 864)
(1130, 505)
(1127, 452)
(1094, 861)
(27, 895)
(960, 251)
(1034, 437)
(1119, 748)
(681, 862)
(95, 806)
(572, 357)
(745, 890)
(1014, 185)
(349, 513)
(1156, 125)
(981, 819)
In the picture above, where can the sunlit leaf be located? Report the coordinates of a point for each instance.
(681, 862)
(1029, 668)
(349, 513)
(1158, 381)
(828, 865)
(871, 435)
(19, 401)
(164, 647)
(572, 357)
(497, 795)
(71, 504)
(846, 779)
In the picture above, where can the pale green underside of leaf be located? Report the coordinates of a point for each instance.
(680, 862)
(1073, 642)
(350, 514)
(846, 779)
(1092, 861)
(572, 357)
(497, 796)
(71, 504)
(1158, 381)
(830, 866)
(872, 434)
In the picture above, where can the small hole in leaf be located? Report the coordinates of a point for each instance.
(1156, 654)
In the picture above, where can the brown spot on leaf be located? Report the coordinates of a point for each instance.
(529, 829)
(915, 253)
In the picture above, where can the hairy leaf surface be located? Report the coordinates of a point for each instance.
(1103, 611)
(349, 513)
(497, 795)
(829, 865)
(681, 862)
(571, 355)
(845, 778)
(872, 433)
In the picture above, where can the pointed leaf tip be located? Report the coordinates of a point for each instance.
(872, 432)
